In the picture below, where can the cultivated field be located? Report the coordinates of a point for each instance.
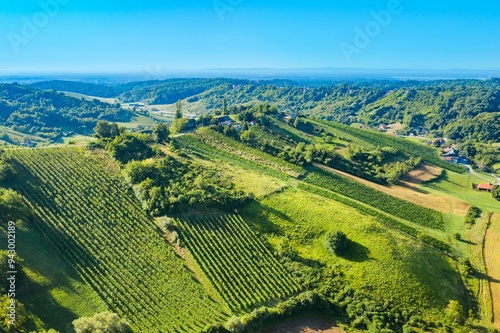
(239, 265)
(100, 228)
(305, 324)
(410, 192)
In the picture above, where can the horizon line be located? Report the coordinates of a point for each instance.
(228, 69)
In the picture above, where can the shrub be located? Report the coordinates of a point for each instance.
(336, 242)
(101, 322)
(234, 325)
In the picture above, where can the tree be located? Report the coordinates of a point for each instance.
(161, 133)
(496, 193)
(224, 106)
(454, 313)
(178, 110)
(105, 322)
(234, 325)
(5, 319)
(106, 130)
(128, 147)
(336, 242)
(6, 170)
(180, 125)
(12, 206)
(4, 266)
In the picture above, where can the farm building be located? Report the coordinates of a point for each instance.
(484, 187)
(450, 152)
(452, 159)
(224, 120)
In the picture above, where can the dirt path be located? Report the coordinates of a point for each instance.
(473, 172)
(409, 192)
(492, 259)
(309, 324)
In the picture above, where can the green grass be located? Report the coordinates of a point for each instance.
(234, 147)
(17, 138)
(52, 292)
(430, 236)
(138, 119)
(460, 186)
(380, 262)
(390, 204)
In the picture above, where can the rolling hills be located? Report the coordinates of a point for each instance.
(223, 229)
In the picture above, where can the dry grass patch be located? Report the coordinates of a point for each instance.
(424, 173)
(492, 258)
(405, 191)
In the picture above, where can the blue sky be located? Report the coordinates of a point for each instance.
(146, 35)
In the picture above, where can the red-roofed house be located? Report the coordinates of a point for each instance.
(484, 187)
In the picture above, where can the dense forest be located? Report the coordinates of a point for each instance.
(458, 109)
(48, 113)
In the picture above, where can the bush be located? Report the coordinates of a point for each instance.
(496, 193)
(101, 322)
(472, 213)
(234, 325)
(336, 242)
(454, 313)
(128, 147)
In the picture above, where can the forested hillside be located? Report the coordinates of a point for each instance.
(48, 114)
(459, 109)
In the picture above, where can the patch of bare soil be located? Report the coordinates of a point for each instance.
(424, 173)
(309, 324)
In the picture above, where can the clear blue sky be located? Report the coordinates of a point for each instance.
(145, 35)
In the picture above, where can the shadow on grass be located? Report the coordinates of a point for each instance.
(466, 241)
(39, 257)
(356, 252)
(257, 215)
(483, 276)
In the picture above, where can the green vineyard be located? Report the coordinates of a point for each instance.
(403, 209)
(241, 268)
(97, 224)
(227, 144)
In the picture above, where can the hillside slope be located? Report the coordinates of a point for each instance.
(102, 231)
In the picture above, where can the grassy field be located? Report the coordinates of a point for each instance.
(53, 292)
(474, 251)
(335, 182)
(460, 186)
(10, 137)
(245, 179)
(383, 263)
(492, 258)
(88, 97)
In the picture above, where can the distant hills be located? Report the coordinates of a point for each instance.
(458, 109)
